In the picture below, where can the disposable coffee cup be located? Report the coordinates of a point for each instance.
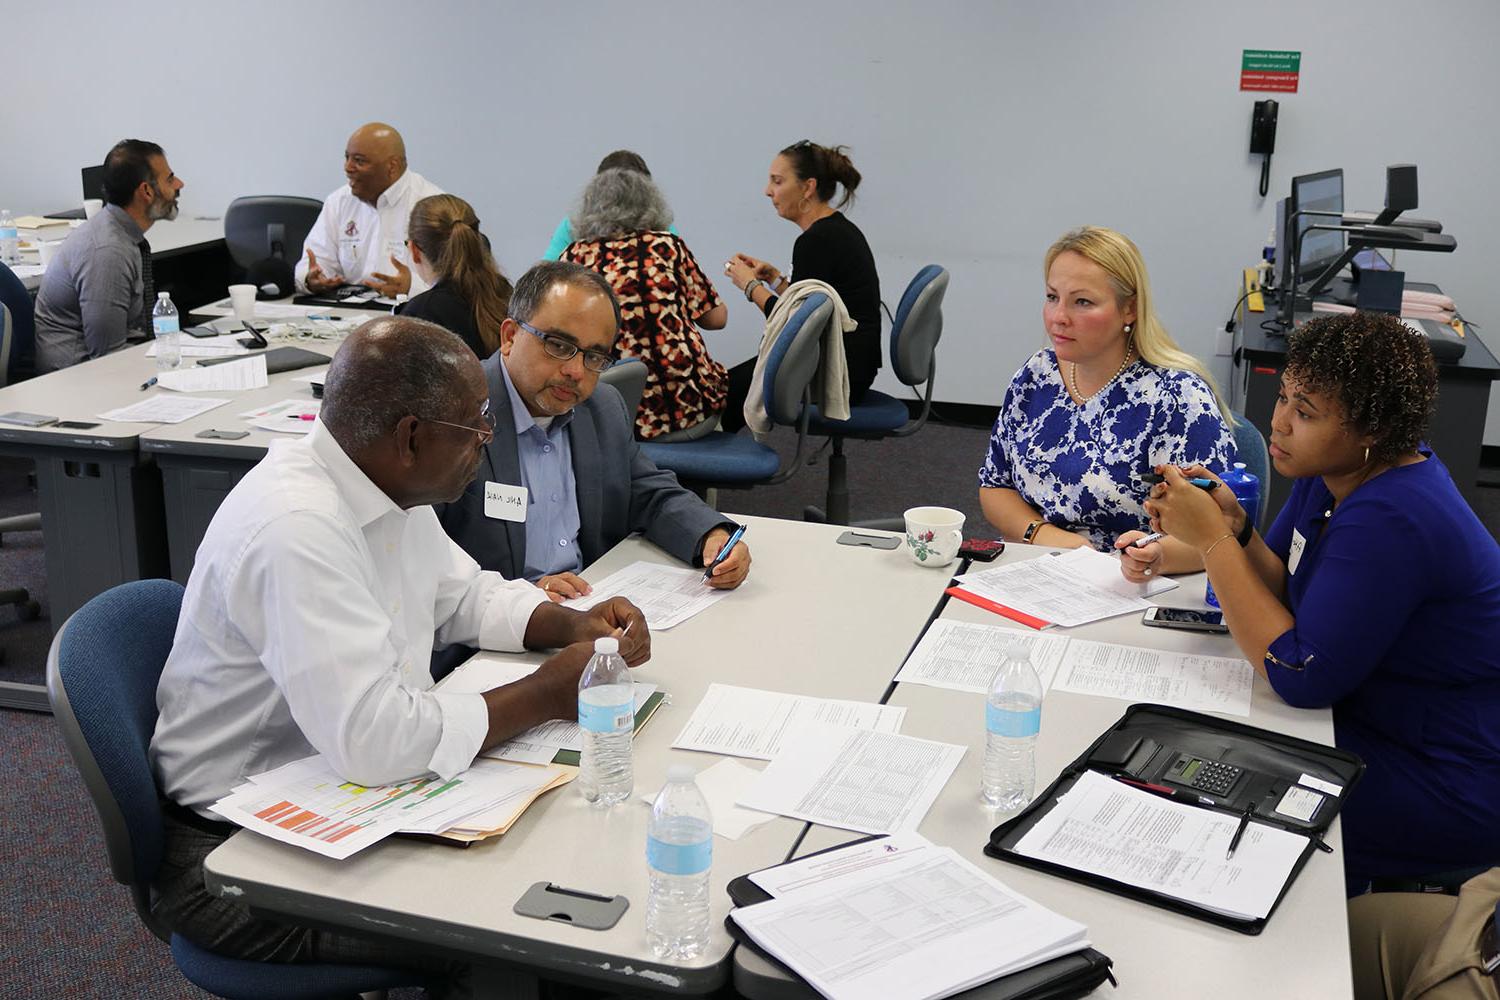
(242, 299)
(92, 207)
(46, 250)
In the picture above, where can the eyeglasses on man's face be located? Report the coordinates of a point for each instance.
(486, 433)
(563, 349)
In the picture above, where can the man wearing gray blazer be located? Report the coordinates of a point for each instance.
(563, 479)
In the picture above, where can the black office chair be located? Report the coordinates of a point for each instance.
(17, 349)
(915, 332)
(265, 234)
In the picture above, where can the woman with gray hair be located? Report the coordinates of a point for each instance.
(620, 230)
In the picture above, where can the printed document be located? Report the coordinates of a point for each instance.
(856, 779)
(964, 656)
(1186, 680)
(666, 595)
(745, 722)
(926, 924)
(231, 376)
(721, 786)
(1069, 588)
(205, 347)
(162, 408)
(1107, 828)
(290, 416)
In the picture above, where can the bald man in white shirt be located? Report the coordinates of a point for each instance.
(360, 236)
(319, 592)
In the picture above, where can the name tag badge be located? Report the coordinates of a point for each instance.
(1294, 554)
(504, 502)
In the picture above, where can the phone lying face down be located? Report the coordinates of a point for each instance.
(1185, 618)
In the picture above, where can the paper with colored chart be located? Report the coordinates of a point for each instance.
(306, 804)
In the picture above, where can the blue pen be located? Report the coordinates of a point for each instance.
(1201, 482)
(148, 383)
(708, 571)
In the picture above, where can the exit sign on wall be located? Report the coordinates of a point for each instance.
(1261, 69)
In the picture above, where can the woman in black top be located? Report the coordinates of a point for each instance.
(468, 294)
(804, 178)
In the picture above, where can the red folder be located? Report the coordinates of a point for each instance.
(999, 609)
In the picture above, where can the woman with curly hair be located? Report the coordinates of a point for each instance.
(621, 231)
(1376, 591)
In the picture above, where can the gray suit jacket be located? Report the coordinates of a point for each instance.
(620, 490)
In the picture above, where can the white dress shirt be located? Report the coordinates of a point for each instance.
(355, 239)
(308, 626)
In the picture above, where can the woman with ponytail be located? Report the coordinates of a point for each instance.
(468, 294)
(804, 178)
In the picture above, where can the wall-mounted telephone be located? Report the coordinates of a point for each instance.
(1263, 139)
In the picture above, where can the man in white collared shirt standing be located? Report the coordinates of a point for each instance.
(360, 236)
(319, 592)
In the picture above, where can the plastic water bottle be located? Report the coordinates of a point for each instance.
(1245, 485)
(10, 239)
(606, 714)
(168, 340)
(679, 853)
(1012, 719)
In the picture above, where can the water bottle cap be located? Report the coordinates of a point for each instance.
(606, 644)
(1239, 465)
(163, 295)
(681, 772)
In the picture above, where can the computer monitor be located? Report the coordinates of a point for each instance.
(93, 182)
(1320, 192)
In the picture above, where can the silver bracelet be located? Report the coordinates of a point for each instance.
(750, 287)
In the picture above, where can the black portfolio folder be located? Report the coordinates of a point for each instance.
(1232, 764)
(1075, 975)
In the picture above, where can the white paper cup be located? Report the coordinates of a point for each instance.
(933, 535)
(46, 250)
(92, 207)
(242, 299)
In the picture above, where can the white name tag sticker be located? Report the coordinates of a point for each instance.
(1294, 554)
(504, 502)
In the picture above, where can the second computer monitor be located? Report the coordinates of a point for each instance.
(1319, 192)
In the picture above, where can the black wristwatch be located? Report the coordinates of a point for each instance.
(1246, 533)
(1031, 530)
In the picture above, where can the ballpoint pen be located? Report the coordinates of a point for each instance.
(1145, 540)
(148, 383)
(708, 571)
(1201, 482)
(1240, 830)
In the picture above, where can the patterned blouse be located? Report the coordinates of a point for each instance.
(1081, 466)
(662, 292)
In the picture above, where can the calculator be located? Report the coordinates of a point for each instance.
(1212, 776)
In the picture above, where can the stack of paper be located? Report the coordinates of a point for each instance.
(666, 595)
(1068, 588)
(745, 722)
(900, 917)
(232, 376)
(160, 408)
(290, 416)
(1108, 828)
(306, 804)
(964, 656)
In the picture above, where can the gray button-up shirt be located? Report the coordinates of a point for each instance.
(92, 293)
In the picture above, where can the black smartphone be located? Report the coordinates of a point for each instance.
(1185, 618)
(981, 549)
(77, 425)
(870, 541)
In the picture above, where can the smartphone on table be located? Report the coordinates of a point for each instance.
(1185, 618)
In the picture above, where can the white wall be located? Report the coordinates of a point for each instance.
(983, 129)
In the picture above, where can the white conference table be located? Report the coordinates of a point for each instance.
(786, 629)
(167, 239)
(1303, 950)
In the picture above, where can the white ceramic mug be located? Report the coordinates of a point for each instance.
(92, 206)
(46, 250)
(242, 299)
(933, 535)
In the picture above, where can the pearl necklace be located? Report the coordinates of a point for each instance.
(1073, 376)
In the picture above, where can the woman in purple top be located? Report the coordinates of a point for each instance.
(1377, 591)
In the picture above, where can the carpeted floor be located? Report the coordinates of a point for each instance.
(68, 930)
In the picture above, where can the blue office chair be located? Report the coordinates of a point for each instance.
(628, 376)
(1250, 448)
(914, 337)
(102, 673)
(720, 460)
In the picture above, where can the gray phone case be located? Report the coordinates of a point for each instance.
(546, 901)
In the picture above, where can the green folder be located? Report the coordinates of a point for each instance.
(571, 757)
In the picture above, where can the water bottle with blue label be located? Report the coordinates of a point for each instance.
(1245, 485)
(679, 854)
(10, 238)
(606, 714)
(1012, 720)
(166, 326)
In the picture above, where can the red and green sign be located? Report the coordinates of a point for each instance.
(1262, 69)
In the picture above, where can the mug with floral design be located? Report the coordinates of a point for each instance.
(933, 535)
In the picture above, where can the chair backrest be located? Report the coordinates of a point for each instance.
(17, 328)
(263, 226)
(793, 360)
(1250, 448)
(628, 376)
(102, 673)
(918, 325)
